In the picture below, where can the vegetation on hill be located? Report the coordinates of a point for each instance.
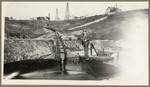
(115, 27)
(34, 28)
(111, 28)
(24, 28)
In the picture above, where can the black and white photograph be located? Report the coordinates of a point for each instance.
(75, 43)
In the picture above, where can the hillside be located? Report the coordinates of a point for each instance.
(108, 32)
(63, 25)
(24, 28)
(18, 50)
(115, 27)
(35, 28)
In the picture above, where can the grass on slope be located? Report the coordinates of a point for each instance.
(34, 28)
(28, 28)
(115, 26)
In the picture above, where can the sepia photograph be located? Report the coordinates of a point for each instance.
(75, 43)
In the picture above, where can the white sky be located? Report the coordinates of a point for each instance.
(26, 10)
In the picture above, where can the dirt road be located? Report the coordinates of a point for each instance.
(86, 24)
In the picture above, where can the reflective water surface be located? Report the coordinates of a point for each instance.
(50, 69)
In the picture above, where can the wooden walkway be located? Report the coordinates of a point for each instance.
(100, 58)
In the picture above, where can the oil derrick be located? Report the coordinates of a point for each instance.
(57, 18)
(67, 15)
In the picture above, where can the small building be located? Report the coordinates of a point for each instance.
(112, 10)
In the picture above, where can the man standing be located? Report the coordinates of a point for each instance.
(85, 42)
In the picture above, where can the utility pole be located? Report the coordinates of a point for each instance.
(57, 18)
(67, 15)
(49, 16)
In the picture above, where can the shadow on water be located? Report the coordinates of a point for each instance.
(31, 65)
(50, 69)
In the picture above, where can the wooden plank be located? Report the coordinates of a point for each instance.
(101, 58)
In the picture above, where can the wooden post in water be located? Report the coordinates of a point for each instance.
(62, 58)
(63, 55)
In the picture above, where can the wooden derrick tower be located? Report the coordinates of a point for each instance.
(57, 16)
(67, 15)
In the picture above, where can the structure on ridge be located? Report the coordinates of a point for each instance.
(56, 17)
(67, 15)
